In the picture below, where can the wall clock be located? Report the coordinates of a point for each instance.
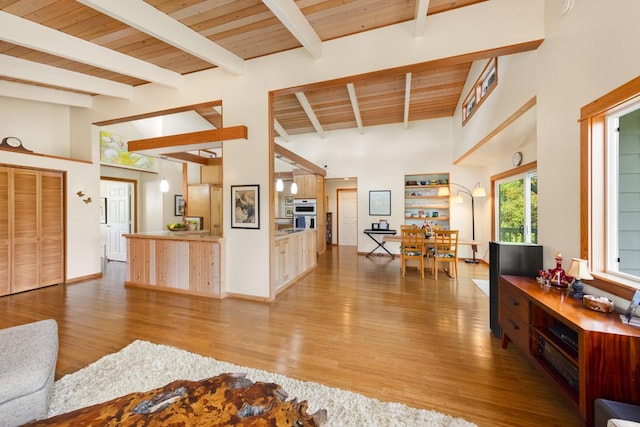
(13, 143)
(517, 158)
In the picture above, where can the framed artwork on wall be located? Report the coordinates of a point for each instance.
(178, 209)
(288, 200)
(114, 152)
(380, 202)
(194, 222)
(245, 206)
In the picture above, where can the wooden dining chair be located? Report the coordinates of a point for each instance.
(446, 250)
(412, 248)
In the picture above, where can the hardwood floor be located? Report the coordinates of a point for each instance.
(353, 323)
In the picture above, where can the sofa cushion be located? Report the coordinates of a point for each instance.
(604, 410)
(622, 423)
(28, 355)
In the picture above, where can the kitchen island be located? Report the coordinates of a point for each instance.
(189, 262)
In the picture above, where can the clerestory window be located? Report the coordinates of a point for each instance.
(485, 84)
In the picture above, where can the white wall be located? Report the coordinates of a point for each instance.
(44, 128)
(586, 54)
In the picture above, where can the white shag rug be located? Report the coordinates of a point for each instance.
(143, 366)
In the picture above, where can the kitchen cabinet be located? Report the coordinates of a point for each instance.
(294, 255)
(307, 186)
(205, 200)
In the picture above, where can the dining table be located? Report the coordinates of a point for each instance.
(431, 242)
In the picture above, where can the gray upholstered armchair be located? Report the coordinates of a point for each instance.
(28, 356)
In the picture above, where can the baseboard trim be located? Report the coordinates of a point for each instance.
(83, 278)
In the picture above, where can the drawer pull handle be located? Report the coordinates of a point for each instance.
(515, 302)
(515, 325)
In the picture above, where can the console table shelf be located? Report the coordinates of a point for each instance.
(587, 353)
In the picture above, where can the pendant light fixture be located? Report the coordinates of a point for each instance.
(294, 188)
(279, 185)
(164, 185)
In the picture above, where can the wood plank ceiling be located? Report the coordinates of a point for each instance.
(108, 47)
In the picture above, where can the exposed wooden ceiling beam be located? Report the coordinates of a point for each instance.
(194, 158)
(283, 175)
(22, 69)
(291, 17)
(354, 104)
(281, 131)
(304, 102)
(417, 68)
(29, 34)
(422, 8)
(279, 150)
(192, 107)
(189, 141)
(188, 157)
(407, 99)
(44, 94)
(150, 20)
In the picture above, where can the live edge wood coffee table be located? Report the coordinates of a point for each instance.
(227, 399)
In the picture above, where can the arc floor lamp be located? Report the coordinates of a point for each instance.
(477, 191)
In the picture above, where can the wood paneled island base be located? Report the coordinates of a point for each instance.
(183, 262)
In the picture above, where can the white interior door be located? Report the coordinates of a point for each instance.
(347, 217)
(118, 219)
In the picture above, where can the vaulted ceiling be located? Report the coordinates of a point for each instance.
(66, 51)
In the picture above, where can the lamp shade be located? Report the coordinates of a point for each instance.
(294, 188)
(443, 191)
(164, 185)
(478, 191)
(279, 185)
(579, 269)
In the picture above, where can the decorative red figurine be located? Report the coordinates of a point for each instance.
(557, 274)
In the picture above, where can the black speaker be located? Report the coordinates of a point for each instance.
(516, 259)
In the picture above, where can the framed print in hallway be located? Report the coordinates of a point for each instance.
(380, 202)
(245, 206)
(178, 209)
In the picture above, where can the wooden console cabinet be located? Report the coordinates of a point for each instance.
(588, 354)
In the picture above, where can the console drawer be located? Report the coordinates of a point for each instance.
(515, 327)
(514, 301)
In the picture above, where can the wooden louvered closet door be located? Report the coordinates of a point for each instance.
(51, 250)
(24, 240)
(5, 279)
(35, 228)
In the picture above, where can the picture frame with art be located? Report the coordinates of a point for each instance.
(380, 202)
(288, 201)
(245, 206)
(178, 208)
(194, 222)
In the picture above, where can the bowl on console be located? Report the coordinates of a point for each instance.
(602, 304)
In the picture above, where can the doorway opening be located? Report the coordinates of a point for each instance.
(118, 197)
